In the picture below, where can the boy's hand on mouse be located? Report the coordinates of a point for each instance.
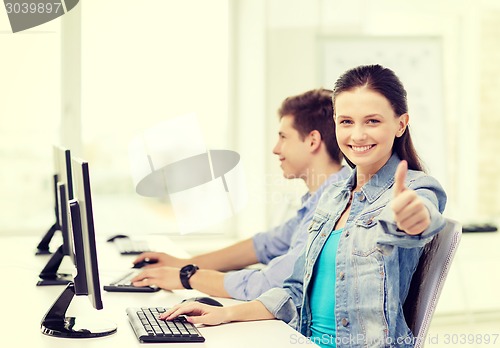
(163, 277)
(410, 213)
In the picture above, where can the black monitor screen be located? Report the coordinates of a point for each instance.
(63, 158)
(62, 167)
(62, 175)
(65, 221)
(84, 235)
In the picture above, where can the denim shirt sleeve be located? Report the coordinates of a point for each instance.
(280, 239)
(247, 284)
(276, 241)
(434, 198)
(285, 303)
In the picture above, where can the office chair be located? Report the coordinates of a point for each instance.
(428, 280)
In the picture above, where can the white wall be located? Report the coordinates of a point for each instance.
(296, 29)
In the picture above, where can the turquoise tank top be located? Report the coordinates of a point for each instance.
(322, 293)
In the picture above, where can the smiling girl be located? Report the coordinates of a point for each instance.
(368, 232)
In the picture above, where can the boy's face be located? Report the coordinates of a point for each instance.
(293, 151)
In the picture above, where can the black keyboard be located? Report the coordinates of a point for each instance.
(127, 246)
(148, 328)
(480, 227)
(123, 284)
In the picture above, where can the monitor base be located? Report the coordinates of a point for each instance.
(43, 252)
(61, 279)
(55, 323)
(71, 327)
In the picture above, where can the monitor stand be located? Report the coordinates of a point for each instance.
(43, 247)
(55, 323)
(49, 275)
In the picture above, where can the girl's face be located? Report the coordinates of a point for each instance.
(366, 127)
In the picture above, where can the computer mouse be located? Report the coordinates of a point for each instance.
(144, 262)
(116, 236)
(206, 300)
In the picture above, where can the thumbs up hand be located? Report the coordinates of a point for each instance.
(410, 212)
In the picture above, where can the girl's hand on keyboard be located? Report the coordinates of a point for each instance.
(198, 313)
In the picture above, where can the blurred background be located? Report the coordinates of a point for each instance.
(96, 77)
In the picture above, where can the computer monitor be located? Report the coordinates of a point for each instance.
(50, 274)
(62, 174)
(86, 281)
(63, 182)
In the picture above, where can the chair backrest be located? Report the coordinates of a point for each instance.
(428, 280)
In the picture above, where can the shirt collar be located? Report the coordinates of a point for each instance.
(379, 183)
(310, 199)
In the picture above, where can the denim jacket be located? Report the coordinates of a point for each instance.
(375, 261)
(278, 248)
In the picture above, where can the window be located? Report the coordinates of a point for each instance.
(139, 64)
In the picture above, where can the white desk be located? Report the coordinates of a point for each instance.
(23, 305)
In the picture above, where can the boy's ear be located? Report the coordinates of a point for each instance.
(314, 139)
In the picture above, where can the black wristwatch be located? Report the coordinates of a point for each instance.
(186, 273)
